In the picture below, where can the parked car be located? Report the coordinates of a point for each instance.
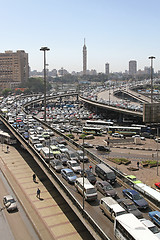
(103, 148)
(89, 175)
(140, 202)
(10, 203)
(130, 207)
(74, 165)
(87, 145)
(151, 226)
(117, 135)
(157, 185)
(155, 216)
(68, 175)
(57, 165)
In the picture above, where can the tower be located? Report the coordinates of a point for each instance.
(132, 67)
(84, 58)
(107, 68)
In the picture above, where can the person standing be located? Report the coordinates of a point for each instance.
(34, 177)
(7, 148)
(38, 193)
(90, 167)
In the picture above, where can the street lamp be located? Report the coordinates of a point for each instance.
(151, 77)
(44, 49)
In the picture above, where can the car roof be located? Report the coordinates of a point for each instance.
(67, 170)
(131, 191)
(8, 197)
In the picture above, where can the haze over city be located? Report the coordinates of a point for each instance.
(115, 32)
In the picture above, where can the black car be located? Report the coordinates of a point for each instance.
(89, 175)
(130, 207)
(103, 148)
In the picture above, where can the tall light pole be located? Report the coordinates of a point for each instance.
(151, 77)
(44, 49)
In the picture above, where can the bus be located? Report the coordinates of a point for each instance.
(7, 138)
(98, 123)
(92, 130)
(129, 227)
(125, 131)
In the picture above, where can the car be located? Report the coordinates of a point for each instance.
(68, 175)
(133, 179)
(87, 145)
(10, 203)
(139, 201)
(81, 156)
(63, 159)
(155, 216)
(74, 165)
(157, 185)
(62, 148)
(106, 189)
(56, 164)
(38, 147)
(103, 148)
(130, 207)
(151, 226)
(89, 175)
(117, 135)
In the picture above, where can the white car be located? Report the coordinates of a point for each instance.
(38, 146)
(10, 203)
(74, 165)
(62, 148)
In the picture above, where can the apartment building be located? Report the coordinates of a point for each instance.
(13, 69)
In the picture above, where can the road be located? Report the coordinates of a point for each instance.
(16, 225)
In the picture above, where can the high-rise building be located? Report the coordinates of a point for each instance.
(14, 69)
(84, 58)
(132, 67)
(107, 68)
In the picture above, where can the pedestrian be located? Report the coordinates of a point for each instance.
(7, 148)
(90, 167)
(34, 177)
(138, 164)
(38, 193)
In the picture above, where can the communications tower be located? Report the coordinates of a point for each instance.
(84, 58)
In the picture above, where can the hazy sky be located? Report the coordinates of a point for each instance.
(116, 31)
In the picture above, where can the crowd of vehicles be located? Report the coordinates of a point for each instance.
(52, 151)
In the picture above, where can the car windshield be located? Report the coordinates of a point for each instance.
(90, 191)
(70, 174)
(11, 200)
(137, 197)
(131, 207)
(75, 164)
(73, 155)
(108, 187)
(58, 163)
(154, 229)
(111, 175)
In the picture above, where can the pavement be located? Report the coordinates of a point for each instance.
(47, 217)
(147, 148)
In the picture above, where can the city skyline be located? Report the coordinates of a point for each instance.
(115, 32)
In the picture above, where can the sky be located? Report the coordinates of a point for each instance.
(116, 31)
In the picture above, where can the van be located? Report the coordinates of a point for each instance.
(46, 154)
(111, 208)
(33, 139)
(89, 190)
(105, 173)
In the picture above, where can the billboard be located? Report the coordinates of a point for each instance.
(151, 113)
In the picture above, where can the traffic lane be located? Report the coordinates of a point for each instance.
(17, 227)
(93, 210)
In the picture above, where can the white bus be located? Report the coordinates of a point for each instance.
(7, 138)
(98, 123)
(128, 227)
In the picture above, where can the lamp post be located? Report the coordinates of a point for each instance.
(83, 176)
(151, 77)
(44, 49)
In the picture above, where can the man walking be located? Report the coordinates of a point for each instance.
(38, 193)
(34, 177)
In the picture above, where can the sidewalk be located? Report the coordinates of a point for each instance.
(47, 217)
